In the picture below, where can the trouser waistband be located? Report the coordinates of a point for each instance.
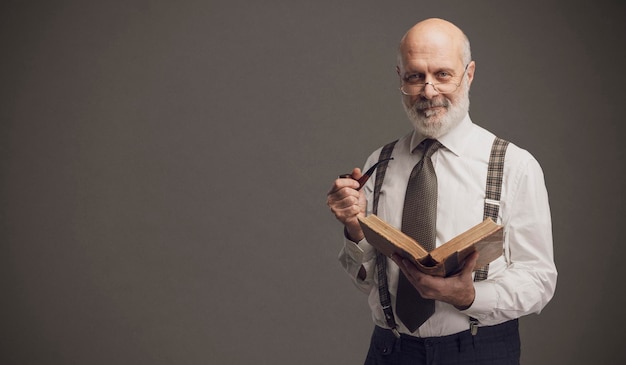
(484, 332)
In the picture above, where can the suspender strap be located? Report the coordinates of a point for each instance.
(381, 260)
(495, 171)
(385, 153)
(492, 191)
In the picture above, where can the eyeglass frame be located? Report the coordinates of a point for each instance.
(434, 85)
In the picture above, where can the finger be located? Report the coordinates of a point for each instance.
(346, 214)
(407, 267)
(417, 279)
(343, 198)
(343, 182)
(470, 264)
(345, 205)
(399, 260)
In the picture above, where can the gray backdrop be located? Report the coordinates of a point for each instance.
(164, 167)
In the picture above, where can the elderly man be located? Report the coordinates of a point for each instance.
(436, 187)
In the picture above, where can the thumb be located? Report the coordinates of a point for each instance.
(470, 264)
(356, 173)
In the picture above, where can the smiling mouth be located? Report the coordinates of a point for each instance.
(432, 107)
(432, 110)
(429, 108)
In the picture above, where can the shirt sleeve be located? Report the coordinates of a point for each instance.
(354, 255)
(527, 280)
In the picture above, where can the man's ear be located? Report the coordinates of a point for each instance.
(471, 68)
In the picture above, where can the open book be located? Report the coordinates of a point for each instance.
(487, 238)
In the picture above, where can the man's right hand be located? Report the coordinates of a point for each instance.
(347, 203)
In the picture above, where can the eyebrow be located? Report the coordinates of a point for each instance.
(441, 69)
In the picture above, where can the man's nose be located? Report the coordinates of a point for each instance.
(429, 92)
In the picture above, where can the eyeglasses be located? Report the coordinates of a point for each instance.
(415, 87)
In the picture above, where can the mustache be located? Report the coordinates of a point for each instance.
(425, 104)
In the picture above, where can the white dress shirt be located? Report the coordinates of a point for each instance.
(521, 281)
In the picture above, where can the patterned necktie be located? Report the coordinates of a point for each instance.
(419, 219)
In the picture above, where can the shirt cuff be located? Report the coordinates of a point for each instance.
(485, 300)
(360, 252)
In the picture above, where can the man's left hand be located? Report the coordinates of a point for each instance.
(457, 289)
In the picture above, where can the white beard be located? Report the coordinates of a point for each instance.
(436, 123)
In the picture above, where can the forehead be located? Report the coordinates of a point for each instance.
(430, 50)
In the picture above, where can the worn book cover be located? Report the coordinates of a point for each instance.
(486, 237)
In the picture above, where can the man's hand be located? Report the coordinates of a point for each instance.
(347, 203)
(457, 289)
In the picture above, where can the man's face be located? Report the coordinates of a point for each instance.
(431, 112)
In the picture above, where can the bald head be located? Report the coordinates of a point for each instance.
(436, 70)
(434, 34)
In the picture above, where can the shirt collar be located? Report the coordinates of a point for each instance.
(454, 140)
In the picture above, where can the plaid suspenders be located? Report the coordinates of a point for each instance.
(493, 190)
(495, 171)
(381, 260)
(491, 209)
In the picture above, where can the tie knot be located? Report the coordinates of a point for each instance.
(430, 146)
